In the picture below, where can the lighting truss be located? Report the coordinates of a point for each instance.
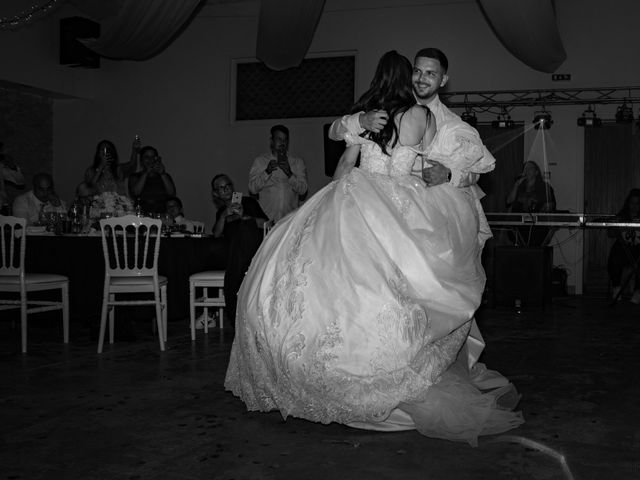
(539, 98)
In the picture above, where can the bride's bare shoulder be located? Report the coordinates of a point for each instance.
(412, 125)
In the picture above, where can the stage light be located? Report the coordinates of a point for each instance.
(624, 114)
(542, 119)
(469, 117)
(589, 118)
(503, 121)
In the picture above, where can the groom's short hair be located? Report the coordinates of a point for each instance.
(434, 53)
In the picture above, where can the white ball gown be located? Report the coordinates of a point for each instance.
(358, 309)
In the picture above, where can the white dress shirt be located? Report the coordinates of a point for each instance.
(452, 135)
(278, 194)
(28, 206)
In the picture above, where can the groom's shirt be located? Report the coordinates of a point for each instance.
(451, 131)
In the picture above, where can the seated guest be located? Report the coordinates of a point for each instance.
(42, 198)
(11, 178)
(107, 174)
(625, 251)
(241, 225)
(175, 211)
(532, 194)
(84, 195)
(151, 187)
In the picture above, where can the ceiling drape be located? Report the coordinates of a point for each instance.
(141, 28)
(285, 31)
(529, 30)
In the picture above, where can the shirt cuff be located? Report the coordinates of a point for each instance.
(456, 177)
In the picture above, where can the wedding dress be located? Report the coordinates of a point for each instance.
(358, 309)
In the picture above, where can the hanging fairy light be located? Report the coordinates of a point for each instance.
(29, 15)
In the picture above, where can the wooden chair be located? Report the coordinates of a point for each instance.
(131, 245)
(14, 279)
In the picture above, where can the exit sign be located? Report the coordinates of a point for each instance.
(561, 77)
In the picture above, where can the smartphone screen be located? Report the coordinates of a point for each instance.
(236, 197)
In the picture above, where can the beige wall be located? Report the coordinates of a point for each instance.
(179, 100)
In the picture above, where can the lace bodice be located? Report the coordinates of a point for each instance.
(399, 163)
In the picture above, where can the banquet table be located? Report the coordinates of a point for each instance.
(80, 257)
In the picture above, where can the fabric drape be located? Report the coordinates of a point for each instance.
(528, 29)
(285, 31)
(141, 28)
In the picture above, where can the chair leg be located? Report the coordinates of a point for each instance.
(165, 311)
(156, 296)
(192, 309)
(23, 320)
(112, 317)
(205, 296)
(220, 313)
(65, 312)
(221, 295)
(103, 317)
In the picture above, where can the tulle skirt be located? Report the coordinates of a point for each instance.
(358, 308)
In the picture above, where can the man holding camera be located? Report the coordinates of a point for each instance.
(277, 177)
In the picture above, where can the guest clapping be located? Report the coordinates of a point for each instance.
(153, 186)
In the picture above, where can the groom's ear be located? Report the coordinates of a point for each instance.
(445, 79)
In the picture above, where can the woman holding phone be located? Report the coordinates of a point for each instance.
(153, 185)
(239, 220)
(106, 174)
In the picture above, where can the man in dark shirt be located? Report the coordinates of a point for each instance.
(241, 224)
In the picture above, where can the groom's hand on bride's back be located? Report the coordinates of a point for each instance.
(374, 120)
(436, 174)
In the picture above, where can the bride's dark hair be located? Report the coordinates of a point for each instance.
(390, 90)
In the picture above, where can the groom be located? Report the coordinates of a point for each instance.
(454, 137)
(429, 76)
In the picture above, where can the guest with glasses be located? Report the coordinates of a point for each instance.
(240, 222)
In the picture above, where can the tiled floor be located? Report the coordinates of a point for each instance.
(136, 413)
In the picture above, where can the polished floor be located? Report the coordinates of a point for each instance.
(136, 413)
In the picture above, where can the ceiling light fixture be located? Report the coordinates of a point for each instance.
(624, 113)
(589, 118)
(542, 119)
(503, 121)
(469, 117)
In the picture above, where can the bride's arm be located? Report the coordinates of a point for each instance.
(347, 161)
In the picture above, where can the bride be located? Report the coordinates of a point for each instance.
(358, 307)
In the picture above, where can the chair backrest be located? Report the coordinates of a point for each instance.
(198, 227)
(131, 245)
(13, 238)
